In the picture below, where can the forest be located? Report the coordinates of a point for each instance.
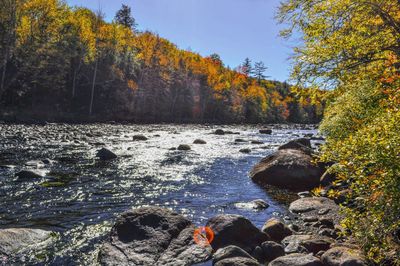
(62, 63)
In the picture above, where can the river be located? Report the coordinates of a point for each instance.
(81, 196)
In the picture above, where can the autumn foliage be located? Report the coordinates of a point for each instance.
(63, 63)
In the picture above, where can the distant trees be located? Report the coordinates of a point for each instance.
(247, 68)
(66, 63)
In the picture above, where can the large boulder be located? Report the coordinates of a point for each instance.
(343, 256)
(237, 261)
(276, 229)
(230, 252)
(152, 236)
(230, 229)
(296, 259)
(272, 250)
(302, 144)
(288, 168)
(312, 243)
(15, 242)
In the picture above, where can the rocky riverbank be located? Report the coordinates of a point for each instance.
(312, 236)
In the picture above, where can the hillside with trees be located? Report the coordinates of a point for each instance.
(60, 63)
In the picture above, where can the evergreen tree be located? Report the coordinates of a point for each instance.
(125, 18)
(247, 67)
(259, 70)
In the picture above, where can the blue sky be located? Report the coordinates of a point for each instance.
(235, 29)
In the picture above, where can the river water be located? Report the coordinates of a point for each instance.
(80, 197)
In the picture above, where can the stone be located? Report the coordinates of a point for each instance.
(139, 138)
(105, 154)
(240, 140)
(256, 142)
(272, 250)
(219, 132)
(296, 259)
(289, 169)
(237, 261)
(245, 150)
(16, 241)
(199, 141)
(257, 204)
(313, 243)
(276, 229)
(265, 131)
(230, 229)
(343, 256)
(152, 236)
(301, 144)
(184, 147)
(29, 174)
(230, 252)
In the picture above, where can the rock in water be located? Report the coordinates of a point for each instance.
(199, 141)
(106, 154)
(230, 229)
(14, 242)
(288, 168)
(296, 259)
(29, 174)
(246, 150)
(152, 236)
(302, 144)
(265, 131)
(139, 138)
(276, 229)
(219, 132)
(343, 256)
(184, 147)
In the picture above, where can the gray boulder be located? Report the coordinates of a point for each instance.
(230, 229)
(184, 147)
(139, 138)
(302, 144)
(272, 250)
(343, 256)
(199, 141)
(276, 229)
(288, 168)
(296, 259)
(230, 252)
(312, 243)
(152, 236)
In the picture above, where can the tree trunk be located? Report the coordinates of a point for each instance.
(93, 85)
(3, 75)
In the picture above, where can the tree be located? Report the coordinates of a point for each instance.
(247, 68)
(259, 70)
(125, 18)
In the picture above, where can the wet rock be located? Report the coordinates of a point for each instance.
(276, 229)
(290, 169)
(184, 147)
(245, 150)
(343, 256)
(312, 243)
(152, 236)
(240, 140)
(265, 131)
(14, 242)
(219, 132)
(302, 144)
(230, 252)
(48, 161)
(256, 142)
(105, 154)
(230, 229)
(30, 174)
(7, 166)
(272, 250)
(139, 138)
(257, 204)
(199, 141)
(35, 164)
(296, 259)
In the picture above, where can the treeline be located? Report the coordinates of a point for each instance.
(354, 47)
(63, 63)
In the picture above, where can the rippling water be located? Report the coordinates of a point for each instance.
(81, 196)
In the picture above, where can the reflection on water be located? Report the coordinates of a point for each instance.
(81, 196)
